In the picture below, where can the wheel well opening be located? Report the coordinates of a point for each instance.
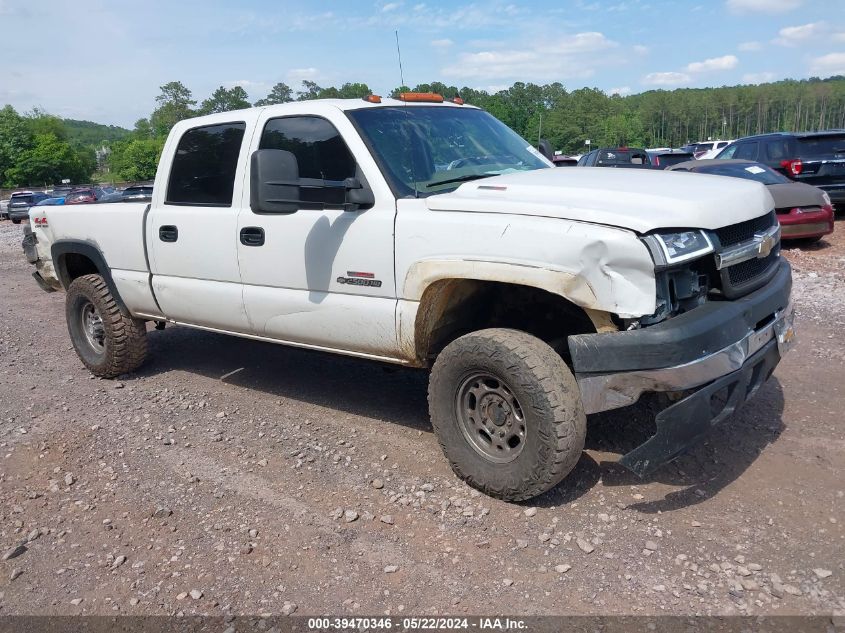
(73, 265)
(451, 308)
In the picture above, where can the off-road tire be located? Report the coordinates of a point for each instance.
(16, 221)
(124, 346)
(547, 393)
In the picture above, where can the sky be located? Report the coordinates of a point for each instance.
(104, 61)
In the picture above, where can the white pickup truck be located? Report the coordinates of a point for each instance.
(424, 232)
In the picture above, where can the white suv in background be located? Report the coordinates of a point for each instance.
(709, 149)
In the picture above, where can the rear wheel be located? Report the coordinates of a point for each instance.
(507, 412)
(16, 221)
(108, 342)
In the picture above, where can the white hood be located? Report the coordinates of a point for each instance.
(638, 199)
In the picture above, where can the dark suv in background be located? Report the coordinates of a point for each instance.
(20, 203)
(816, 158)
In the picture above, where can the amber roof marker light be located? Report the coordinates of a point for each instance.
(428, 97)
(373, 99)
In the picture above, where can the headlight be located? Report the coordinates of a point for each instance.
(681, 246)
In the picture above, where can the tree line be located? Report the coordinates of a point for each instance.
(657, 118)
(38, 148)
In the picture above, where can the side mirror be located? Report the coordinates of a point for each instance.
(357, 195)
(546, 149)
(274, 182)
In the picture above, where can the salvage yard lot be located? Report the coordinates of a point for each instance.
(230, 476)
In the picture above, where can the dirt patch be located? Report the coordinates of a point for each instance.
(230, 476)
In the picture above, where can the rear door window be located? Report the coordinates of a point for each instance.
(777, 149)
(747, 151)
(203, 170)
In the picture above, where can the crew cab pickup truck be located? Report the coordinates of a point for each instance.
(426, 233)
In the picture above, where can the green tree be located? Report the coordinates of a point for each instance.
(224, 100)
(310, 90)
(136, 159)
(280, 93)
(48, 161)
(174, 104)
(15, 138)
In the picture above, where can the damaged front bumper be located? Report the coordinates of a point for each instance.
(723, 350)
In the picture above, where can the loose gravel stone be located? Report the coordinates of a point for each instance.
(585, 546)
(14, 552)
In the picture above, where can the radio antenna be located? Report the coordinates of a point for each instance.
(399, 55)
(405, 108)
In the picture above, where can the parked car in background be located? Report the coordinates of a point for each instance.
(50, 202)
(84, 195)
(562, 160)
(60, 192)
(804, 211)
(4, 209)
(20, 203)
(814, 158)
(135, 193)
(703, 147)
(667, 158)
(616, 157)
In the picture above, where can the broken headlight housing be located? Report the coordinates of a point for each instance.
(678, 246)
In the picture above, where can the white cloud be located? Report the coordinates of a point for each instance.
(296, 75)
(750, 46)
(794, 35)
(565, 57)
(830, 64)
(758, 78)
(763, 6)
(621, 91)
(666, 79)
(838, 37)
(639, 49)
(580, 43)
(391, 6)
(725, 62)
(442, 44)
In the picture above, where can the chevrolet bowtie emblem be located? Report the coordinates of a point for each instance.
(766, 245)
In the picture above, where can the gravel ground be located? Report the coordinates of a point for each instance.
(233, 477)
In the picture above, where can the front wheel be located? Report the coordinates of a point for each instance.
(108, 342)
(507, 412)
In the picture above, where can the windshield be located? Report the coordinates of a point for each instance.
(425, 150)
(753, 171)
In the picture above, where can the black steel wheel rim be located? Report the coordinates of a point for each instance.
(490, 417)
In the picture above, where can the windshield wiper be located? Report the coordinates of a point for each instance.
(464, 178)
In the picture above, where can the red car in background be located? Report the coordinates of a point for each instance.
(84, 195)
(804, 212)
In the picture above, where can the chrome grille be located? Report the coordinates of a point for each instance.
(746, 276)
(747, 271)
(736, 233)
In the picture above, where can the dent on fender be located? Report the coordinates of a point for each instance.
(607, 279)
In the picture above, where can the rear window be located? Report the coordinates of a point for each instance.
(621, 157)
(821, 145)
(203, 171)
(672, 159)
(21, 200)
